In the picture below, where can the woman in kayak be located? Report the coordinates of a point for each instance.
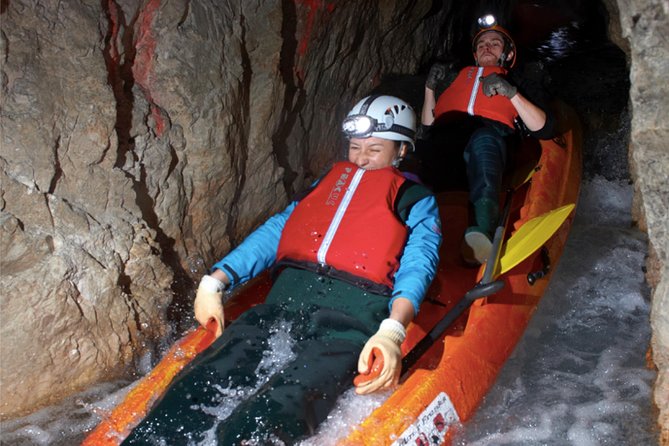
(352, 257)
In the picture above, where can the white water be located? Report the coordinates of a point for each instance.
(578, 377)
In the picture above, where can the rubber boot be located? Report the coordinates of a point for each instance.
(477, 242)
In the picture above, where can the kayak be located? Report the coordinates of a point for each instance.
(462, 336)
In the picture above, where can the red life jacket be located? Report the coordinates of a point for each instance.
(465, 95)
(346, 227)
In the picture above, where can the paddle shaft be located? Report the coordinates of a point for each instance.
(484, 288)
(479, 291)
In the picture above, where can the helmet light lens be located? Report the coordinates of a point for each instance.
(487, 21)
(358, 126)
(362, 126)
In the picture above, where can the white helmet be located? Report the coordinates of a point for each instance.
(381, 116)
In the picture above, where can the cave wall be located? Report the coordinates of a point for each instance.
(645, 26)
(140, 140)
(82, 281)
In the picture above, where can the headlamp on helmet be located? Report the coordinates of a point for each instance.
(362, 126)
(487, 21)
(381, 116)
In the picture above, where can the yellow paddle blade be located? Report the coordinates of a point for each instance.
(531, 236)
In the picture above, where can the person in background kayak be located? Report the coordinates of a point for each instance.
(353, 257)
(480, 107)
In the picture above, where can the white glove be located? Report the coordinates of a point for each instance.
(209, 302)
(386, 344)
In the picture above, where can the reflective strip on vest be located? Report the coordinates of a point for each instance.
(347, 228)
(475, 89)
(341, 210)
(465, 96)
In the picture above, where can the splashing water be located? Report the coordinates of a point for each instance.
(274, 359)
(279, 353)
(578, 377)
(351, 410)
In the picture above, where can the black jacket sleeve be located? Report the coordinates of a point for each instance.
(530, 83)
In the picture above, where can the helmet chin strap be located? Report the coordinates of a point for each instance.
(406, 147)
(398, 158)
(504, 57)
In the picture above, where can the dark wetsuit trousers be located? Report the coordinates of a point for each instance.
(485, 156)
(329, 322)
(469, 153)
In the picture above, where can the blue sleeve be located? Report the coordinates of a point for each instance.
(257, 252)
(418, 264)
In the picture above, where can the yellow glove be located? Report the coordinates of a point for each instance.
(384, 346)
(209, 302)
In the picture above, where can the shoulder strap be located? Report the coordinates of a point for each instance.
(409, 194)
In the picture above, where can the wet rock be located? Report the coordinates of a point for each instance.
(72, 235)
(646, 24)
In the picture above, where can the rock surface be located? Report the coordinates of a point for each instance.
(83, 284)
(645, 23)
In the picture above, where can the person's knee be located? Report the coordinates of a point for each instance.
(486, 146)
(486, 139)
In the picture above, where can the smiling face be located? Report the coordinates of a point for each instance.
(373, 153)
(489, 48)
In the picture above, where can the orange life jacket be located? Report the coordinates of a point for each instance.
(465, 95)
(347, 228)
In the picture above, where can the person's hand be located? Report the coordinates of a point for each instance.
(495, 84)
(436, 76)
(209, 302)
(383, 346)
